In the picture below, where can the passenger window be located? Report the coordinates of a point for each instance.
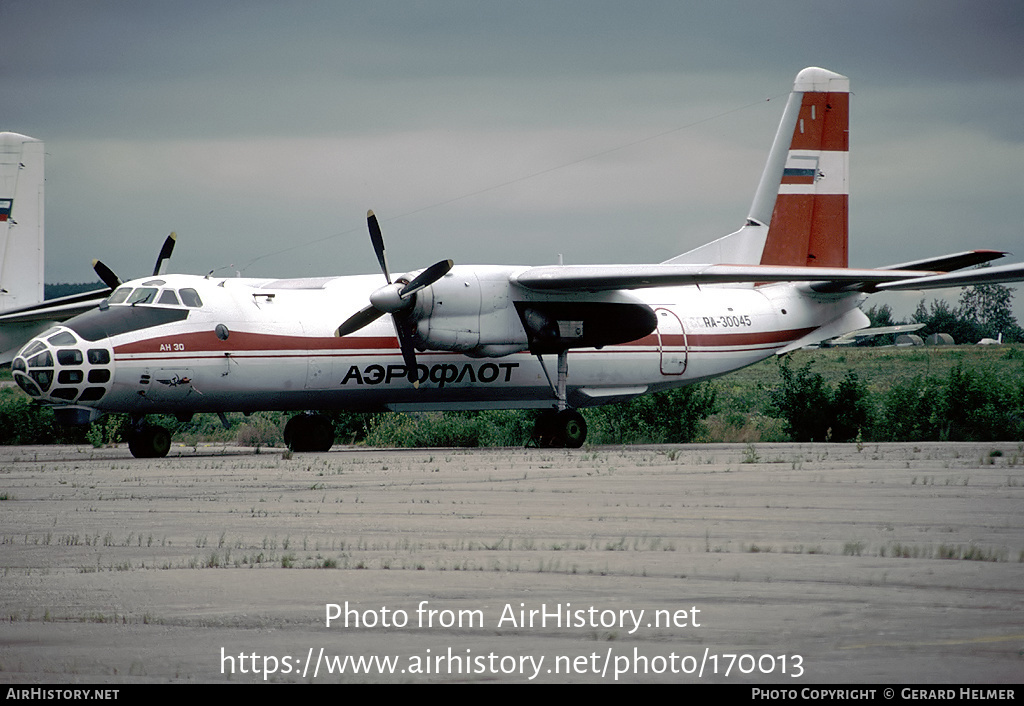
(190, 297)
(168, 297)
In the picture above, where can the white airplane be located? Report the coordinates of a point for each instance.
(481, 337)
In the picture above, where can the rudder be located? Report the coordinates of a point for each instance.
(809, 222)
(799, 213)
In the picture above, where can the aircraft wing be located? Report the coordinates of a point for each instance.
(953, 261)
(932, 273)
(984, 275)
(55, 309)
(596, 278)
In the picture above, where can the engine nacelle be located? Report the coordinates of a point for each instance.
(478, 312)
(470, 310)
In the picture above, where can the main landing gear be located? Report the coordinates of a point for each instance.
(561, 427)
(309, 432)
(564, 429)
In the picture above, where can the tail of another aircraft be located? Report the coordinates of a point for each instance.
(21, 221)
(799, 213)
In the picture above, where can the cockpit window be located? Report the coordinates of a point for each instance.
(43, 360)
(142, 295)
(151, 295)
(168, 297)
(62, 339)
(119, 295)
(190, 297)
(33, 349)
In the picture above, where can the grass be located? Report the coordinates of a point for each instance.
(878, 368)
(744, 397)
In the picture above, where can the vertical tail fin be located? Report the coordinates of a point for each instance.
(808, 224)
(799, 213)
(21, 221)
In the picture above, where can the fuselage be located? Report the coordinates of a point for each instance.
(182, 344)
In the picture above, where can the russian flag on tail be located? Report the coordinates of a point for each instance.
(809, 224)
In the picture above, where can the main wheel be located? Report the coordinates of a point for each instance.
(320, 433)
(291, 430)
(565, 429)
(545, 432)
(309, 432)
(572, 428)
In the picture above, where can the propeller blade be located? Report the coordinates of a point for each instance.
(361, 318)
(394, 300)
(165, 252)
(407, 346)
(106, 275)
(426, 278)
(378, 244)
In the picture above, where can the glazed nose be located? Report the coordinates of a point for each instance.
(58, 366)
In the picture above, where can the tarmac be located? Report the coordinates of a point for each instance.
(782, 564)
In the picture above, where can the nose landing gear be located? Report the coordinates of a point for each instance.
(148, 440)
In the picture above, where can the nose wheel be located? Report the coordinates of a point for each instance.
(149, 441)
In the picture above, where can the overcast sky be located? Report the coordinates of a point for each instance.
(497, 132)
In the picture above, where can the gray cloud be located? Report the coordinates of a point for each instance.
(251, 127)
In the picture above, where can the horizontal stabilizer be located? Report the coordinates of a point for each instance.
(866, 333)
(852, 319)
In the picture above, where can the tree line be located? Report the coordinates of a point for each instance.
(983, 311)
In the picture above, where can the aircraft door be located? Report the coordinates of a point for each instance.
(672, 345)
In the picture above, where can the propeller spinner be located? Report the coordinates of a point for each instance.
(395, 298)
